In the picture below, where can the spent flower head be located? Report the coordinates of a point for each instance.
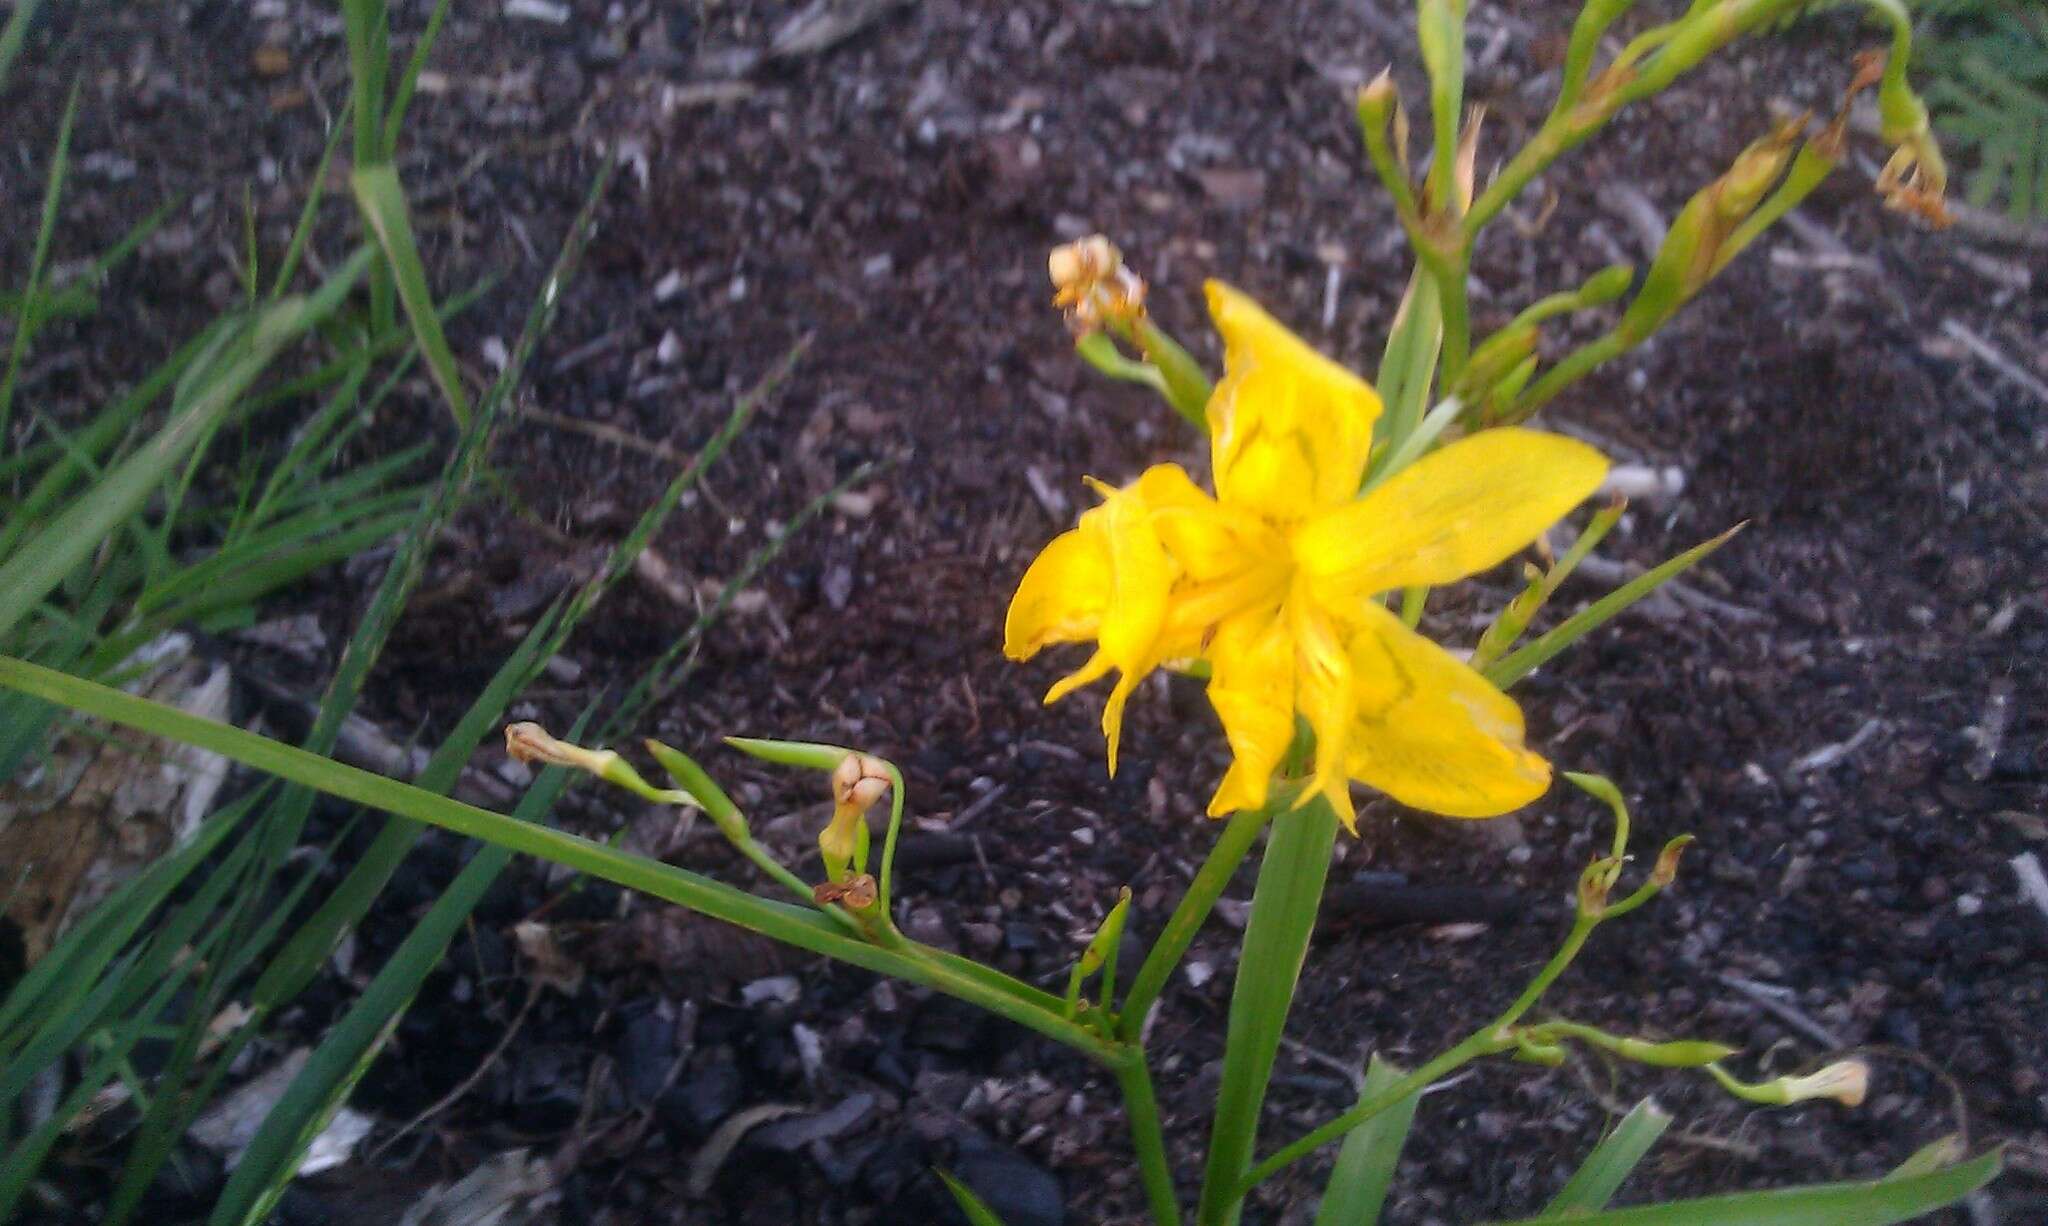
(1275, 581)
(1092, 284)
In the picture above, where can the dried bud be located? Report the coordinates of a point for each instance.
(858, 892)
(529, 742)
(857, 783)
(1666, 870)
(1091, 283)
(1915, 179)
(1845, 1081)
(1595, 883)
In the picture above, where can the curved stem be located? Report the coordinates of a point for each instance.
(1188, 916)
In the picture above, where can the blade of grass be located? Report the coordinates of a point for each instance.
(401, 97)
(382, 203)
(46, 227)
(316, 191)
(207, 393)
(1600, 1175)
(14, 34)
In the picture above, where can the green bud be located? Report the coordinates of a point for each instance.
(692, 778)
(1606, 285)
(1682, 1053)
(1529, 1051)
(810, 755)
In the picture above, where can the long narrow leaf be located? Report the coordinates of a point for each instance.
(802, 927)
(1597, 1178)
(1357, 1190)
(1283, 913)
(1534, 655)
(382, 202)
(1836, 1204)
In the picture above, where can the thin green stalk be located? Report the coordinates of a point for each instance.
(46, 227)
(1141, 1108)
(1189, 914)
(1283, 915)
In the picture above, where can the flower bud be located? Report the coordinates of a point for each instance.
(1681, 1053)
(1666, 870)
(857, 783)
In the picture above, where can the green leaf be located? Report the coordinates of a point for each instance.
(382, 202)
(14, 33)
(1357, 1190)
(1594, 1184)
(977, 1211)
(1833, 1204)
(1534, 655)
(1283, 914)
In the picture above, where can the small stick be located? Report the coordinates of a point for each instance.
(1769, 1000)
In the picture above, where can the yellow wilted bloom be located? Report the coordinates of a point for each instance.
(1274, 579)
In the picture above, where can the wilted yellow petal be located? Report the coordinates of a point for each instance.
(1062, 595)
(1429, 731)
(1251, 685)
(1289, 429)
(1450, 514)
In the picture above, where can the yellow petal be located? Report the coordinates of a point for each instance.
(1323, 691)
(1429, 731)
(1289, 429)
(1450, 514)
(1251, 685)
(1141, 577)
(1062, 595)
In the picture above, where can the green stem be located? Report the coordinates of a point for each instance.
(1188, 916)
(805, 929)
(888, 873)
(1283, 914)
(1141, 1108)
(1489, 1039)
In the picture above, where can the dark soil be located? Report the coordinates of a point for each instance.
(892, 198)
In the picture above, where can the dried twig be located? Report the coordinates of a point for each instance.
(1771, 1000)
(1987, 353)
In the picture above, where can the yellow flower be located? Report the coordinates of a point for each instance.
(1274, 581)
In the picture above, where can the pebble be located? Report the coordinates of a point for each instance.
(1018, 1191)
